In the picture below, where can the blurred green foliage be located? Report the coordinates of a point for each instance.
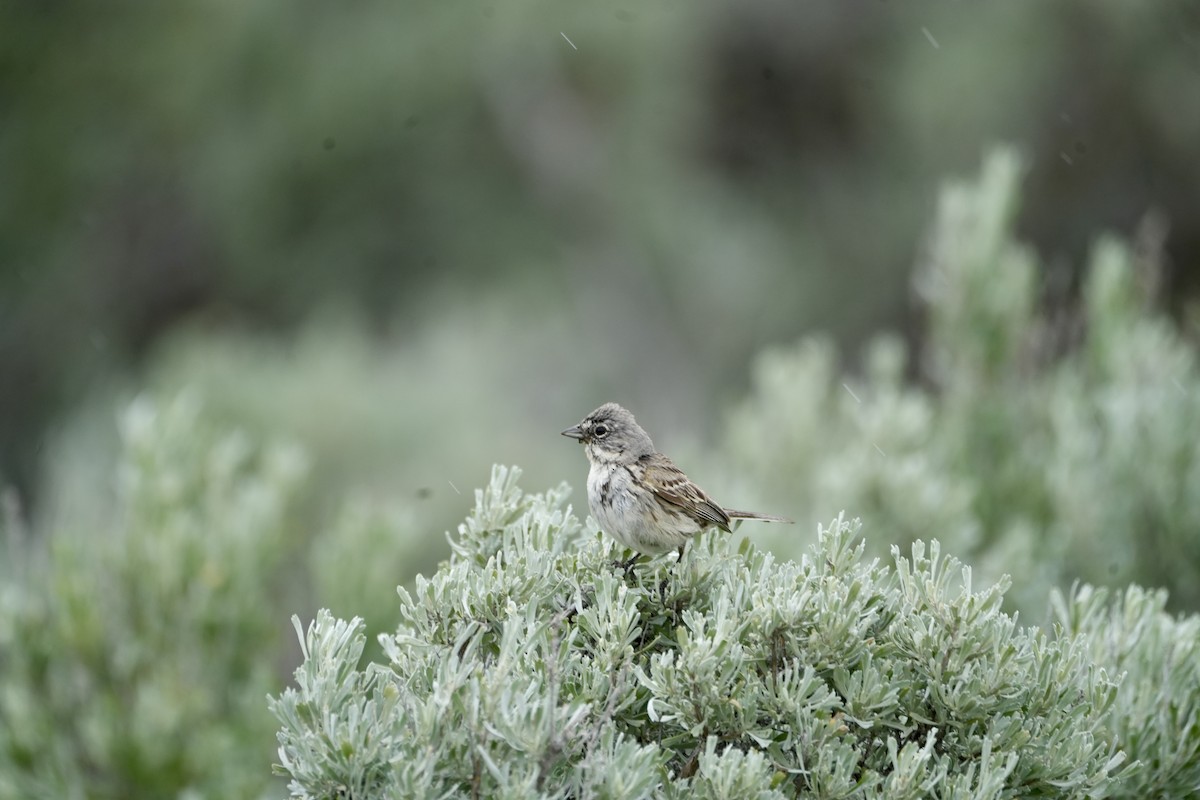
(688, 181)
(134, 658)
(1054, 444)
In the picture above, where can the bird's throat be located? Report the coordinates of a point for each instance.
(599, 454)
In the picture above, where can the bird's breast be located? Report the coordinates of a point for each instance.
(609, 497)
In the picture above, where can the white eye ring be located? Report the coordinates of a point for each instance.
(600, 431)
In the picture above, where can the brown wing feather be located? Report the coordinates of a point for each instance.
(669, 483)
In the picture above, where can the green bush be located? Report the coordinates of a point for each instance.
(1156, 716)
(1054, 443)
(134, 659)
(140, 634)
(530, 666)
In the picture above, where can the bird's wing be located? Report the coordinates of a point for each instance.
(668, 482)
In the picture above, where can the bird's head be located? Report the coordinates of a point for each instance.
(610, 434)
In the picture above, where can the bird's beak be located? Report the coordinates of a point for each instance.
(574, 432)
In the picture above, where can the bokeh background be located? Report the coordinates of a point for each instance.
(495, 212)
(416, 239)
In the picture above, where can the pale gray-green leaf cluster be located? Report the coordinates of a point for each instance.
(1156, 712)
(530, 665)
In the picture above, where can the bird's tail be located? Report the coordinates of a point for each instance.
(732, 514)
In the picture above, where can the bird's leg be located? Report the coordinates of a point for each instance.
(662, 586)
(627, 563)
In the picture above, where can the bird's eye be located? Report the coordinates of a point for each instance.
(600, 431)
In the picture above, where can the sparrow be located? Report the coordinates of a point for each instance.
(637, 494)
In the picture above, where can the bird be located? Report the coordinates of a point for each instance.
(637, 494)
